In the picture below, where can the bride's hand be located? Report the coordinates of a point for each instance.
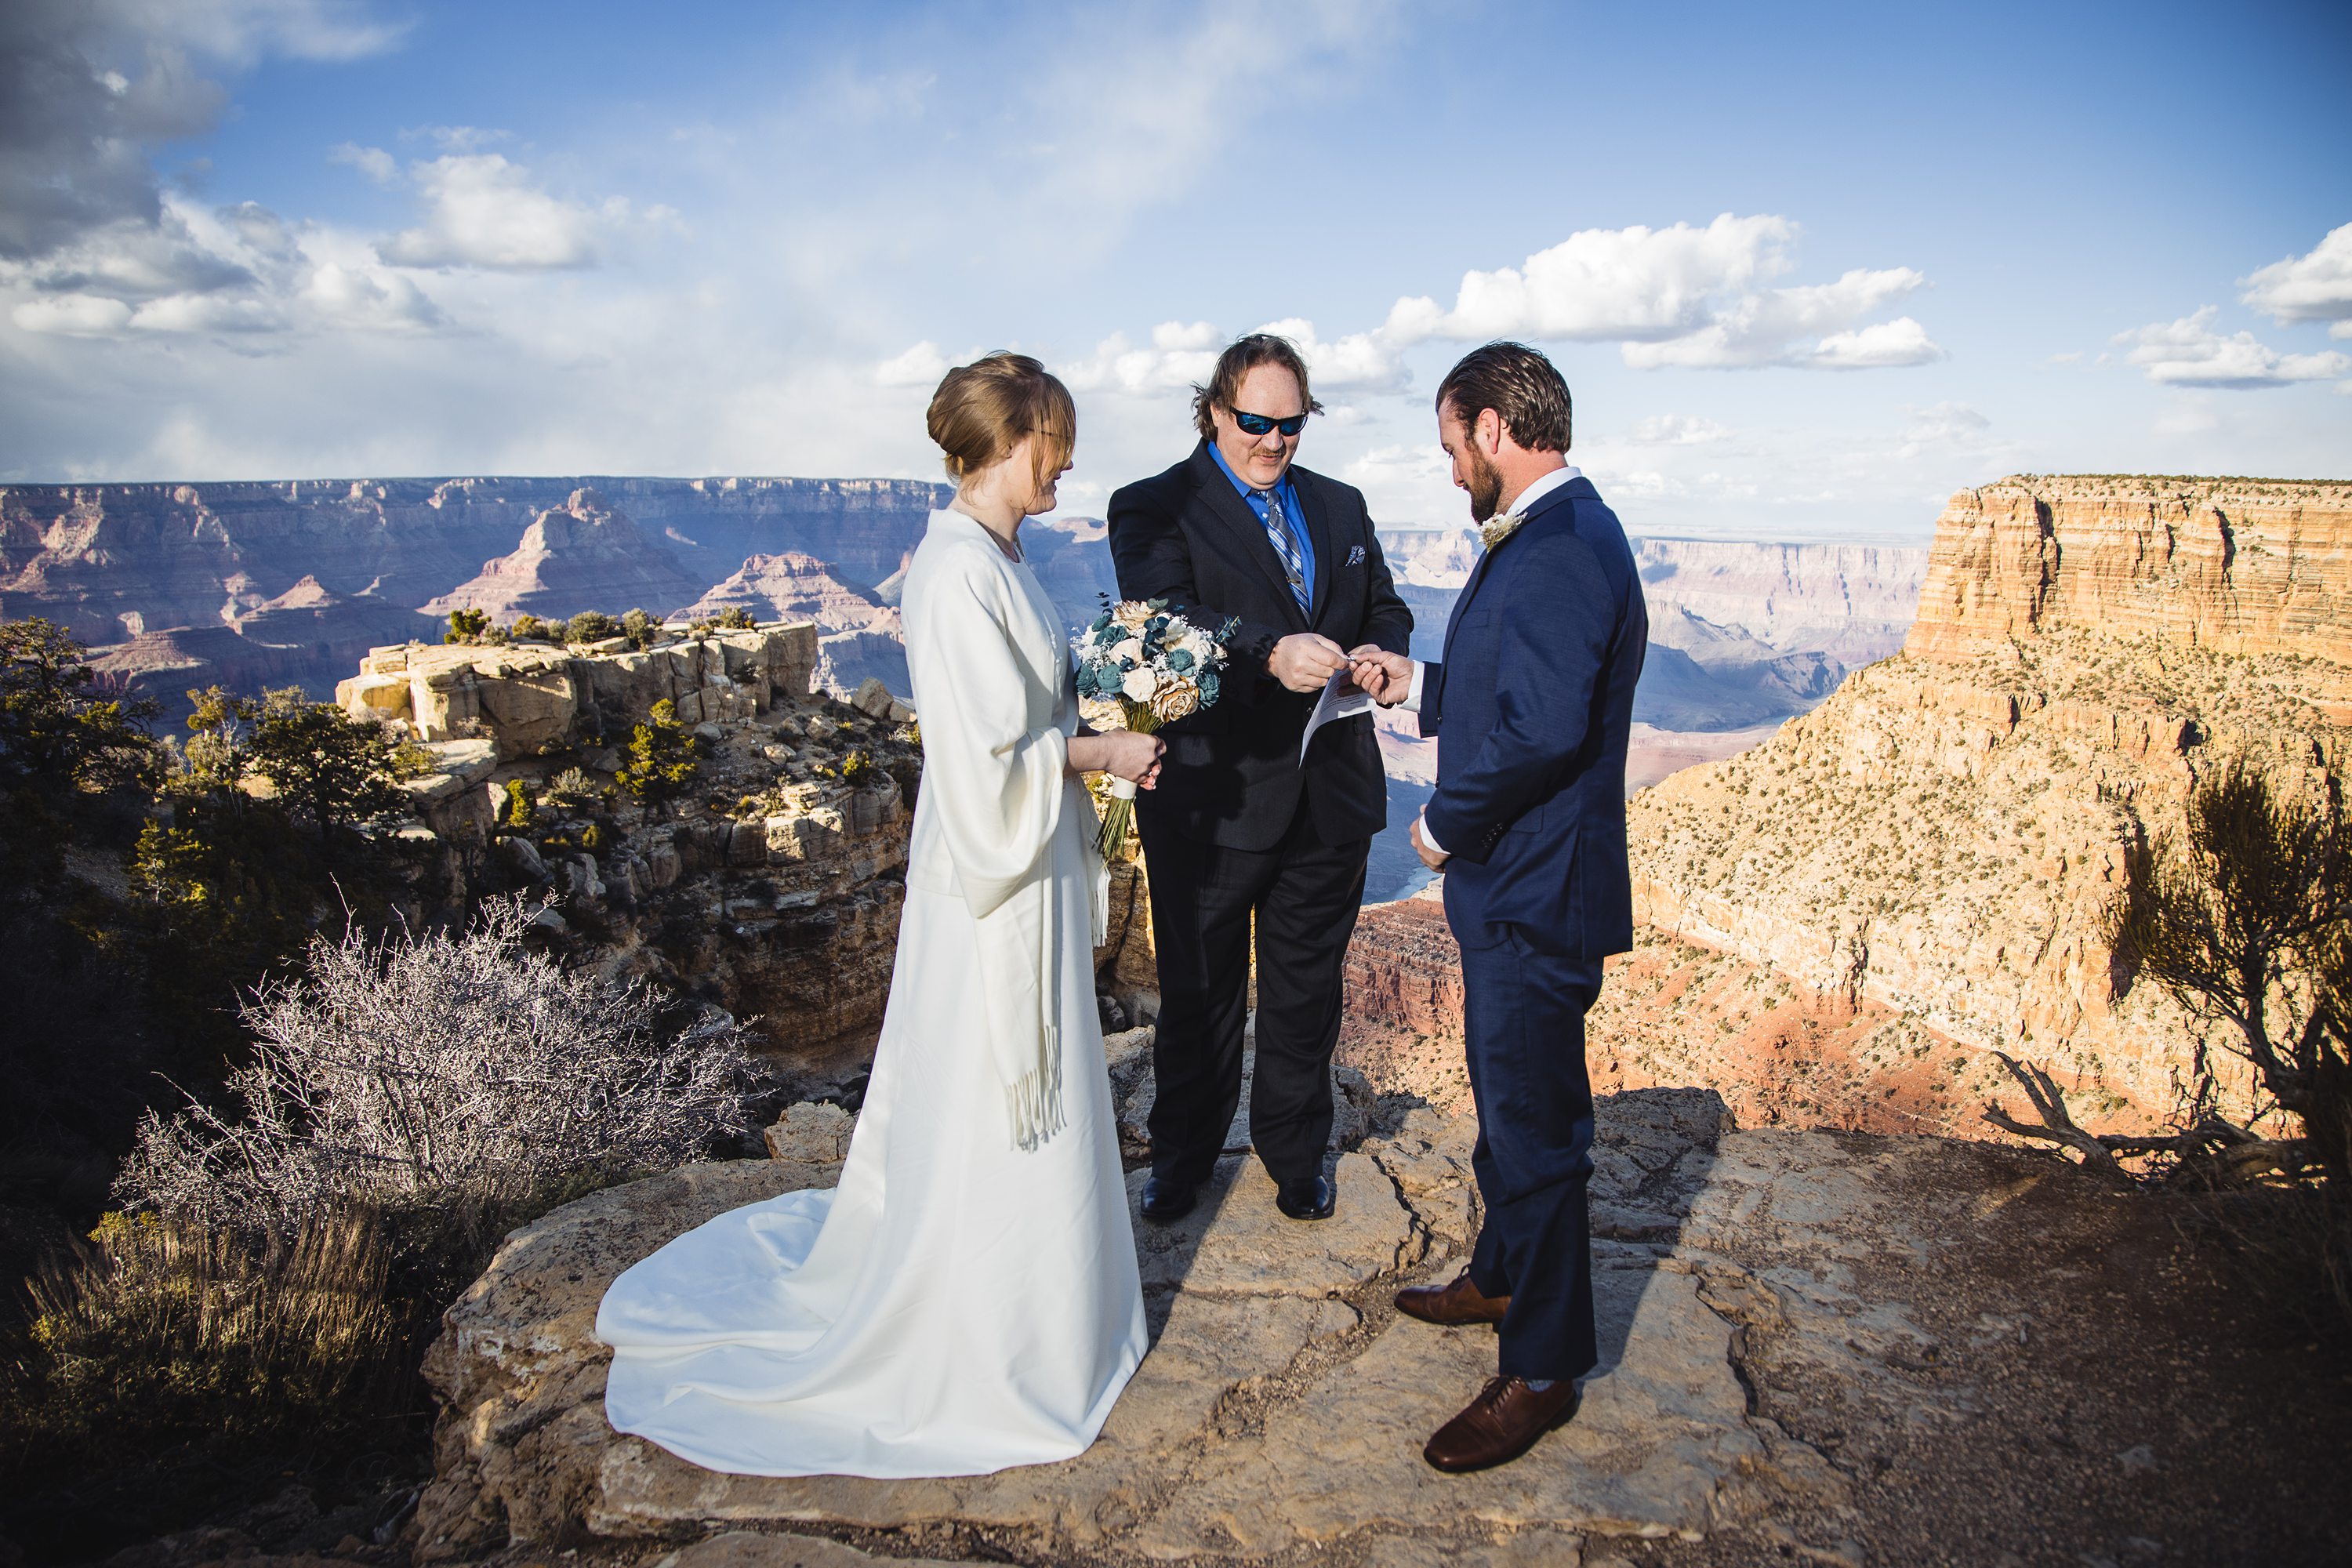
(1122, 753)
(1133, 757)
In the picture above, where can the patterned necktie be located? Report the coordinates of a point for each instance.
(1276, 518)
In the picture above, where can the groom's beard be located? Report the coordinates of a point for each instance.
(1486, 487)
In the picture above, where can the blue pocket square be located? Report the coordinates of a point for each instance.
(1356, 556)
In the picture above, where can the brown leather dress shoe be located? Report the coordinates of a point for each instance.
(1500, 1425)
(1458, 1302)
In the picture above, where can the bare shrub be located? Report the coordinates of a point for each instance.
(436, 1072)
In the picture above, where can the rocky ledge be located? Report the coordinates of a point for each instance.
(1285, 1400)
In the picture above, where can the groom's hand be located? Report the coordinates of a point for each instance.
(1431, 858)
(1386, 678)
(1304, 662)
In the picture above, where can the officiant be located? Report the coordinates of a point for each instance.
(1246, 833)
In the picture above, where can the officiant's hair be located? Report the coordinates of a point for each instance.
(1241, 356)
(1518, 384)
(982, 410)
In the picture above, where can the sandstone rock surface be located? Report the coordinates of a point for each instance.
(1282, 1404)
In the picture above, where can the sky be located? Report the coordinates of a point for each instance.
(1808, 270)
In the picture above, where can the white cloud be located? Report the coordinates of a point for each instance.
(2189, 353)
(1945, 422)
(1676, 431)
(1142, 108)
(243, 31)
(1180, 355)
(1682, 296)
(483, 211)
(72, 315)
(374, 161)
(2316, 286)
(921, 365)
(1360, 362)
(1599, 285)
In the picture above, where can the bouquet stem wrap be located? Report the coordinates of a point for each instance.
(1119, 815)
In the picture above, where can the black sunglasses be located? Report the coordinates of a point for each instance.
(1259, 424)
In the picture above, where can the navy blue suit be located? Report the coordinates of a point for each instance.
(1532, 706)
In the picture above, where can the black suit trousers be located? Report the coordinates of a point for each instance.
(1305, 894)
(1523, 1016)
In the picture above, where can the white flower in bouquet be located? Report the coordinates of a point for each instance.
(1141, 666)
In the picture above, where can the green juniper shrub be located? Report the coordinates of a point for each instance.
(466, 626)
(663, 758)
(591, 626)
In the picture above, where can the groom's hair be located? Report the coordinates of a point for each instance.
(1241, 356)
(1519, 385)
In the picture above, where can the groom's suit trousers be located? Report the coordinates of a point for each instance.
(1523, 1016)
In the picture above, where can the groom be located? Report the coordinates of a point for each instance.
(1532, 706)
(1242, 830)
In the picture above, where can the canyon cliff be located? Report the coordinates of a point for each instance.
(117, 565)
(1942, 837)
(1840, 925)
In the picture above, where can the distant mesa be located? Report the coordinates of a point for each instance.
(582, 555)
(791, 586)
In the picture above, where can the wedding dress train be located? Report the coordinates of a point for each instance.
(967, 1297)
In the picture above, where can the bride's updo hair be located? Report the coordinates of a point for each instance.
(982, 410)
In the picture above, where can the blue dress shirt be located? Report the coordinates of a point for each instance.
(1288, 499)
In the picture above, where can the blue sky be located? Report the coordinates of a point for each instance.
(1807, 271)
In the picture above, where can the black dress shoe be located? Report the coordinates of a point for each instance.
(1166, 1199)
(1308, 1198)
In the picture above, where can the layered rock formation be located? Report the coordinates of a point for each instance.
(582, 555)
(1942, 837)
(1739, 633)
(2233, 566)
(790, 586)
(116, 562)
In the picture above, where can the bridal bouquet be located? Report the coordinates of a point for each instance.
(1140, 667)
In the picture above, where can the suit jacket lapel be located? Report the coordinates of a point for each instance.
(1226, 505)
(1558, 496)
(1319, 535)
(1462, 603)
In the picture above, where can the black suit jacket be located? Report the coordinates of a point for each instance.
(1231, 774)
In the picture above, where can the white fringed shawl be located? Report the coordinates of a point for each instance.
(996, 706)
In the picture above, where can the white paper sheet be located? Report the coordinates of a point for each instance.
(1341, 699)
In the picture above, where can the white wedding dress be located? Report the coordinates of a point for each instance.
(967, 1297)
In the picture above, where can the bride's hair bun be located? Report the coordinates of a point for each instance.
(982, 411)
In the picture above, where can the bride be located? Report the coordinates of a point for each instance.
(967, 1297)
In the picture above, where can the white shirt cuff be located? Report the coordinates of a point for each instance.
(1426, 836)
(1411, 703)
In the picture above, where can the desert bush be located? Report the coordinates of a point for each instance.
(663, 758)
(168, 1364)
(458, 1073)
(591, 626)
(2245, 918)
(571, 790)
(640, 628)
(515, 811)
(466, 626)
(736, 618)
